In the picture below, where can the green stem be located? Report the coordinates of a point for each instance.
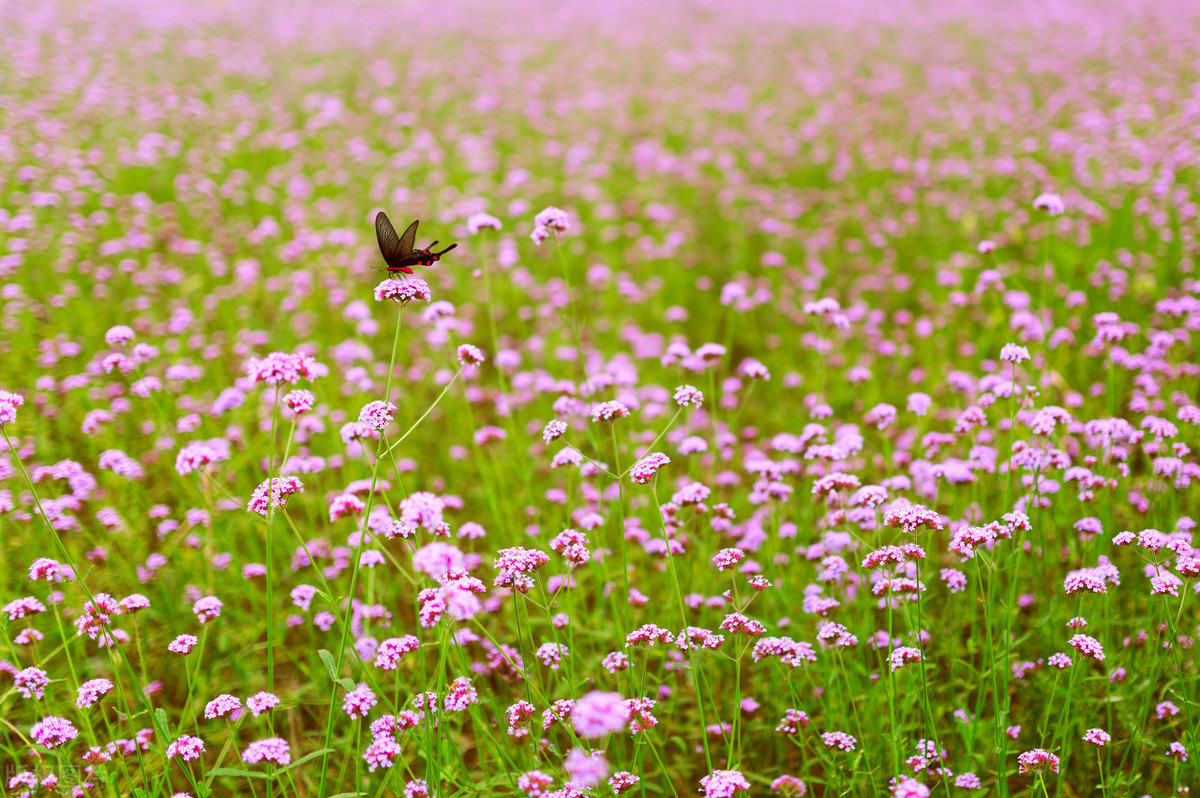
(684, 632)
(362, 536)
(270, 572)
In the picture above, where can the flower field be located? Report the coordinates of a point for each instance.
(808, 406)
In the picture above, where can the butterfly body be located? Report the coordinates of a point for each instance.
(399, 252)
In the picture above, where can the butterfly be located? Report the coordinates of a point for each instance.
(398, 251)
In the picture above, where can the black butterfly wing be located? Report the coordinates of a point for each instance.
(395, 249)
(409, 239)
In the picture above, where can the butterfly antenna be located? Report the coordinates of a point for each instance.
(444, 251)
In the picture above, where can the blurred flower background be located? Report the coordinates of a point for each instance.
(807, 408)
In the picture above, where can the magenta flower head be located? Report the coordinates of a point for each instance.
(554, 430)
(986, 247)
(280, 489)
(516, 565)
(1049, 203)
(482, 221)
(609, 411)
(723, 784)
(196, 455)
(283, 368)
(357, 431)
(377, 415)
(207, 608)
(221, 706)
(460, 694)
(417, 788)
(1014, 353)
(909, 788)
(437, 559)
(686, 395)
(182, 644)
(117, 363)
(534, 782)
(623, 782)
(31, 682)
(727, 558)
(912, 517)
(53, 731)
(599, 713)
(50, 570)
(9, 402)
(96, 614)
(186, 748)
(789, 787)
(881, 415)
(118, 335)
(345, 505)
(753, 370)
(92, 691)
(903, 655)
(358, 702)
(299, 402)
(572, 545)
(392, 650)
(586, 770)
(381, 753)
(1038, 760)
(553, 219)
(918, 403)
(134, 602)
(549, 221)
(261, 702)
(838, 741)
(272, 749)
(710, 354)
(647, 468)
(403, 291)
(469, 355)
(649, 635)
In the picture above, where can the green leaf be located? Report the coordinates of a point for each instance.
(347, 795)
(330, 663)
(241, 774)
(307, 757)
(160, 715)
(348, 684)
(494, 781)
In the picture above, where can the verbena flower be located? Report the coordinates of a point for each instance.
(482, 221)
(645, 469)
(9, 402)
(271, 749)
(279, 489)
(1052, 204)
(92, 691)
(186, 748)
(723, 784)
(53, 732)
(598, 713)
(403, 291)
(283, 368)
